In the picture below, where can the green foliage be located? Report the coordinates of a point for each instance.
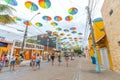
(5, 18)
(31, 41)
(4, 8)
(78, 50)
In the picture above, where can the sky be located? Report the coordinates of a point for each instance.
(57, 8)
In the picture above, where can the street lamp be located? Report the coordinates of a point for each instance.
(25, 35)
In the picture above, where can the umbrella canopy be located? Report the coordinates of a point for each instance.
(38, 24)
(68, 18)
(27, 23)
(54, 23)
(57, 18)
(73, 11)
(30, 5)
(47, 18)
(44, 4)
(11, 2)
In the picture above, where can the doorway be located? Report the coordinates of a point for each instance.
(104, 57)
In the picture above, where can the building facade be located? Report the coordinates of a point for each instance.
(111, 17)
(102, 46)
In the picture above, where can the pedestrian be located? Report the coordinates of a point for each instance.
(12, 62)
(1, 64)
(38, 60)
(48, 57)
(67, 59)
(33, 61)
(52, 58)
(59, 59)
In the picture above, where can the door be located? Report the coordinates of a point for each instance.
(104, 57)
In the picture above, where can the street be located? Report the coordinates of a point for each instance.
(78, 69)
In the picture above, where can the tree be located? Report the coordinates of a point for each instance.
(31, 41)
(5, 18)
(78, 50)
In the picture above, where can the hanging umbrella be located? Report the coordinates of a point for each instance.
(44, 4)
(59, 29)
(57, 18)
(55, 33)
(66, 30)
(38, 24)
(54, 23)
(73, 32)
(16, 19)
(11, 2)
(27, 23)
(68, 18)
(62, 34)
(30, 5)
(79, 33)
(73, 28)
(73, 11)
(68, 34)
(47, 18)
(80, 38)
(64, 38)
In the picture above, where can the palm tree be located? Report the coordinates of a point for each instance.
(5, 18)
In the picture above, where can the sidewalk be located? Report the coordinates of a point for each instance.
(78, 69)
(87, 72)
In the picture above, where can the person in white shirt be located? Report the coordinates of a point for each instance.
(12, 62)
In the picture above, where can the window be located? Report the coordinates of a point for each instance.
(111, 12)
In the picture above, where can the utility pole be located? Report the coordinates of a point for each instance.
(25, 35)
(93, 40)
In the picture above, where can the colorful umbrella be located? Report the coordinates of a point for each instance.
(59, 29)
(79, 33)
(68, 34)
(38, 24)
(27, 23)
(12, 2)
(68, 18)
(57, 18)
(54, 23)
(47, 18)
(64, 38)
(70, 37)
(44, 4)
(55, 33)
(76, 38)
(73, 28)
(73, 32)
(80, 38)
(16, 19)
(62, 34)
(66, 30)
(73, 11)
(32, 6)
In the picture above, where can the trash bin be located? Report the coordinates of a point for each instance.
(93, 59)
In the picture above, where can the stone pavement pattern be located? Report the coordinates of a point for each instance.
(79, 69)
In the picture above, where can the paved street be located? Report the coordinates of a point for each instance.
(79, 69)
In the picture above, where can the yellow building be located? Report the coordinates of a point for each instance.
(111, 17)
(102, 46)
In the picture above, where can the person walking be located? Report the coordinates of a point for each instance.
(1, 64)
(12, 62)
(52, 58)
(33, 61)
(67, 59)
(38, 60)
(59, 59)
